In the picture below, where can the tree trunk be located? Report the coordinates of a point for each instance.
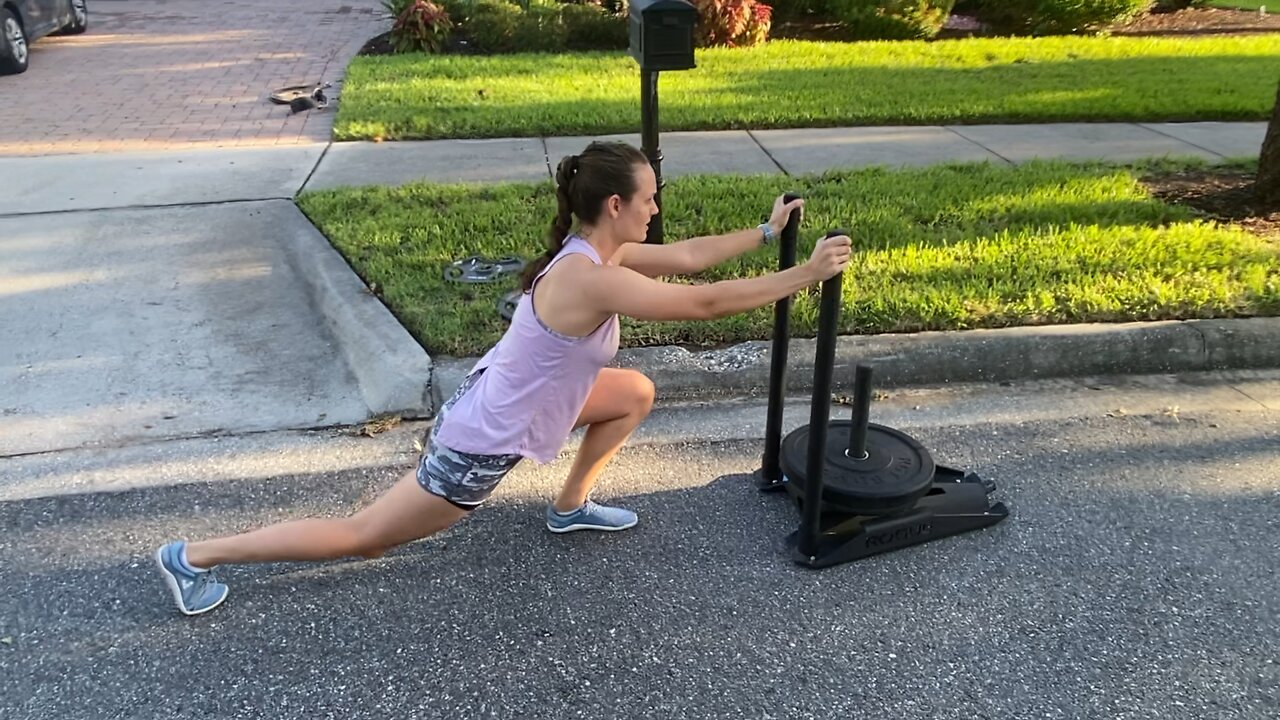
(1268, 182)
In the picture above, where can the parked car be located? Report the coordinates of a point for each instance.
(22, 22)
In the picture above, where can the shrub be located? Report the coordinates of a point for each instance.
(609, 6)
(788, 10)
(491, 25)
(500, 26)
(1054, 17)
(732, 22)
(891, 19)
(589, 27)
(420, 25)
(497, 26)
(540, 30)
(459, 10)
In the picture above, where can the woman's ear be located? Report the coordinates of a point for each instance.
(614, 205)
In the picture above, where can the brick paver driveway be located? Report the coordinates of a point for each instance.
(160, 74)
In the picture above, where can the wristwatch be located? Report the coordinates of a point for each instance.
(767, 229)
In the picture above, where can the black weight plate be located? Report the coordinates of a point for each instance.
(509, 264)
(896, 472)
(507, 305)
(480, 273)
(285, 95)
(476, 269)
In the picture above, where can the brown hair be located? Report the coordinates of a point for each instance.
(583, 183)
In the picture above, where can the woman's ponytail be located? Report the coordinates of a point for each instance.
(561, 225)
(565, 174)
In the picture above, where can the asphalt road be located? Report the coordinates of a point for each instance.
(1136, 578)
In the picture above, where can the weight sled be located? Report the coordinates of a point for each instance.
(862, 489)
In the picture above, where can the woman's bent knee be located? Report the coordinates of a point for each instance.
(641, 393)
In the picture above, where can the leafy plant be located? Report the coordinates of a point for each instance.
(732, 23)
(758, 26)
(420, 25)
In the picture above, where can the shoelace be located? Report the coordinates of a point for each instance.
(202, 582)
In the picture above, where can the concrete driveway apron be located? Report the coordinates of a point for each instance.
(159, 282)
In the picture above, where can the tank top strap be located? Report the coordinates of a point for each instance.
(573, 245)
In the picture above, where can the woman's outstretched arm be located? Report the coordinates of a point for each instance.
(694, 255)
(626, 292)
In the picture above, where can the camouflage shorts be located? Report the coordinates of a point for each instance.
(464, 479)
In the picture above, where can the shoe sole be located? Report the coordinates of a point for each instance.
(578, 526)
(176, 590)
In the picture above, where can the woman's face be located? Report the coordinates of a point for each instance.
(634, 213)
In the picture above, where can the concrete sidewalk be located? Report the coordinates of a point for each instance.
(148, 179)
(794, 152)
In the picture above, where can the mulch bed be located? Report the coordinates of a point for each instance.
(1190, 21)
(381, 45)
(1200, 21)
(1223, 195)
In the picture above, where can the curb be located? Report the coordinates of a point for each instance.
(931, 358)
(391, 369)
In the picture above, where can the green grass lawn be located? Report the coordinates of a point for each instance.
(789, 83)
(945, 248)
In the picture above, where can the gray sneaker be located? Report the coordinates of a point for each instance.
(590, 517)
(194, 593)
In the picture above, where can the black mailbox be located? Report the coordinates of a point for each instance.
(662, 34)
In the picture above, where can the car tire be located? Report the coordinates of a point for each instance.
(13, 44)
(79, 19)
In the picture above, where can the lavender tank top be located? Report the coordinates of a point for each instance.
(535, 382)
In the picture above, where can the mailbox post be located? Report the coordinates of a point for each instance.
(661, 39)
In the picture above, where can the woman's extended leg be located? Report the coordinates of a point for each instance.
(405, 513)
(619, 401)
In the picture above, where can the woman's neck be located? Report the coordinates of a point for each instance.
(603, 242)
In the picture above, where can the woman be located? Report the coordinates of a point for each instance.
(543, 379)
